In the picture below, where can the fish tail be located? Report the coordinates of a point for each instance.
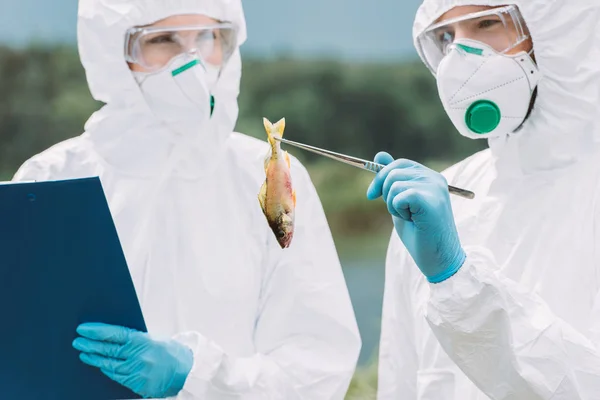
(269, 128)
(279, 127)
(275, 129)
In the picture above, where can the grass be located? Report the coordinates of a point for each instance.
(364, 383)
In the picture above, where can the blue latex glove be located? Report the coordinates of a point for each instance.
(419, 202)
(150, 368)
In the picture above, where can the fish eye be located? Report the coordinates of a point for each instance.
(281, 234)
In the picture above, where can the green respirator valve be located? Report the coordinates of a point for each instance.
(483, 116)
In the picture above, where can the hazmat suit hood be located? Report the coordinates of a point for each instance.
(564, 123)
(521, 318)
(124, 132)
(261, 322)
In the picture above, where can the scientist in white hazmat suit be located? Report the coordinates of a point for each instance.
(230, 314)
(498, 297)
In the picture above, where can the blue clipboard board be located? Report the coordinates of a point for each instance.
(61, 264)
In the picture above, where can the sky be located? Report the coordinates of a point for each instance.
(359, 30)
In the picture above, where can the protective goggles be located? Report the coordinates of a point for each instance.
(501, 28)
(154, 47)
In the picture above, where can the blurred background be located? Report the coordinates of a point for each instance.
(345, 76)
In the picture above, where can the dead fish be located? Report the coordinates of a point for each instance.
(277, 198)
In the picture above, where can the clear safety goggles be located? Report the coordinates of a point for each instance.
(500, 28)
(154, 47)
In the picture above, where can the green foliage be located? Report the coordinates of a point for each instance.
(44, 100)
(364, 383)
(342, 190)
(352, 108)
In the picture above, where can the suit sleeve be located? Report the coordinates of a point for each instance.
(507, 340)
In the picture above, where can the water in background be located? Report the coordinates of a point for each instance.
(365, 283)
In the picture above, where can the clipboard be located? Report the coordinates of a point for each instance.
(61, 264)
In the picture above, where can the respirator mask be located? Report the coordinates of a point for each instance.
(485, 87)
(182, 67)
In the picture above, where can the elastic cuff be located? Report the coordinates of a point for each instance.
(182, 371)
(453, 269)
(207, 358)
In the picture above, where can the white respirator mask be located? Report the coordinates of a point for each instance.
(485, 90)
(486, 94)
(180, 94)
(183, 65)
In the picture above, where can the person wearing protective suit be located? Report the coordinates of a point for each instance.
(498, 297)
(229, 313)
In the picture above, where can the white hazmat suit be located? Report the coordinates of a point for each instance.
(521, 319)
(262, 322)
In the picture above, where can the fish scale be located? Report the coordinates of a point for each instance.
(276, 197)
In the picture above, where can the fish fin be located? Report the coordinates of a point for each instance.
(287, 160)
(269, 129)
(279, 127)
(268, 159)
(262, 196)
(294, 197)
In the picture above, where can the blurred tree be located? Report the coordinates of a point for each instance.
(359, 109)
(355, 108)
(44, 100)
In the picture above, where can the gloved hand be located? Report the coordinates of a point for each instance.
(419, 202)
(148, 367)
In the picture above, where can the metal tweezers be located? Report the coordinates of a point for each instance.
(363, 164)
